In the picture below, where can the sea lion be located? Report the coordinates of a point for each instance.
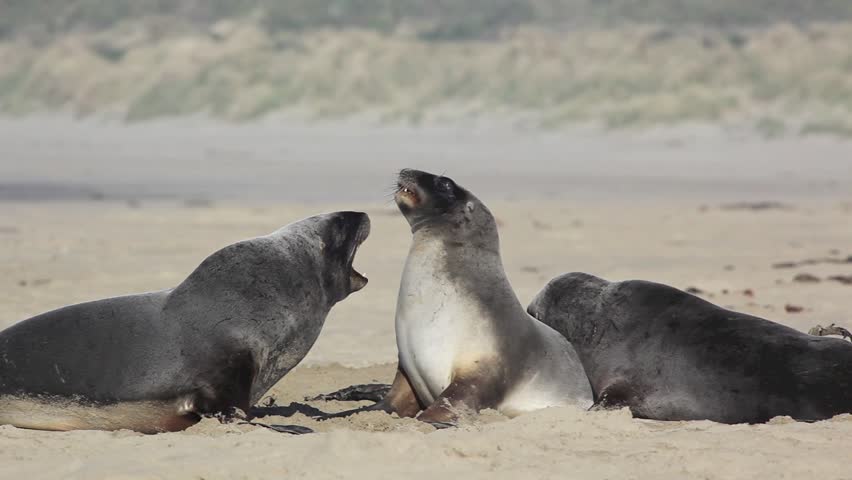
(465, 342)
(157, 361)
(669, 355)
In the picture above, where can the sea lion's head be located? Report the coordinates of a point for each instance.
(335, 238)
(564, 305)
(440, 205)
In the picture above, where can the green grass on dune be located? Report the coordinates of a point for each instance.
(781, 78)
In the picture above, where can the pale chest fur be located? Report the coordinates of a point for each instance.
(437, 326)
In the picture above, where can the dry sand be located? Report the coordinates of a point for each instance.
(54, 252)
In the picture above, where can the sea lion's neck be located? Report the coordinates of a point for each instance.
(280, 342)
(455, 238)
(457, 263)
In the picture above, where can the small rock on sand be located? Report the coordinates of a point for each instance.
(806, 278)
(756, 206)
(844, 279)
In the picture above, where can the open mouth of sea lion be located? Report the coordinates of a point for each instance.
(357, 280)
(407, 194)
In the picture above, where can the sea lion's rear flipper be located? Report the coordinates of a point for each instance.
(372, 392)
(613, 397)
(56, 414)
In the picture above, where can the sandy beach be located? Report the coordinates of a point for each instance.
(90, 210)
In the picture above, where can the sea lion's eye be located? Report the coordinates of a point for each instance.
(445, 184)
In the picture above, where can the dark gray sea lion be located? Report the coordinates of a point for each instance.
(158, 361)
(465, 342)
(668, 355)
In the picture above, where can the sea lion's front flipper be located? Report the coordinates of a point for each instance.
(400, 399)
(468, 392)
(446, 409)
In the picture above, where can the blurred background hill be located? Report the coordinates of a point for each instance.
(778, 67)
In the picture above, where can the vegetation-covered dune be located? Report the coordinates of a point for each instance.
(779, 65)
